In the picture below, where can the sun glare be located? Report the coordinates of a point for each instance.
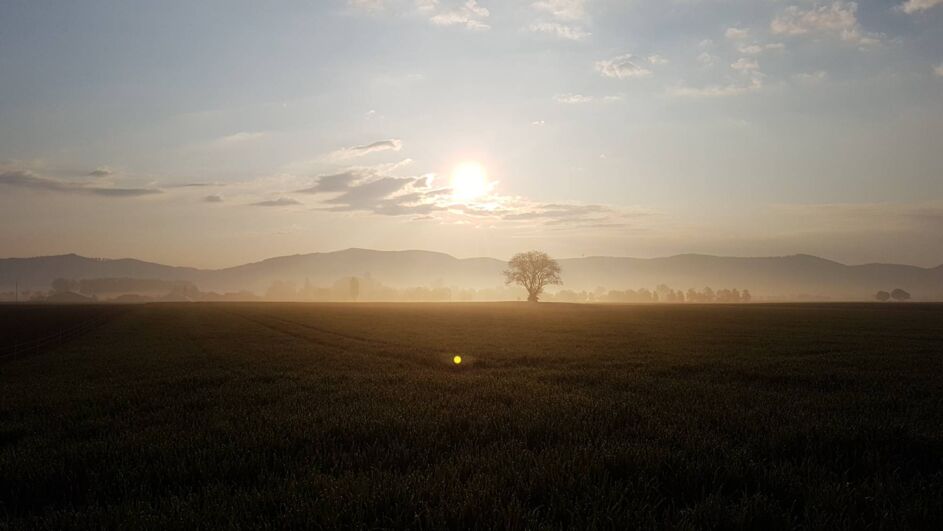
(469, 181)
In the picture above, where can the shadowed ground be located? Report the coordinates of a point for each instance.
(275, 415)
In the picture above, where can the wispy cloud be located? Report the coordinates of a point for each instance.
(29, 180)
(706, 59)
(559, 212)
(101, 172)
(280, 202)
(194, 185)
(736, 33)
(916, 6)
(467, 14)
(213, 199)
(338, 182)
(838, 18)
(756, 48)
(235, 140)
(873, 217)
(393, 144)
(562, 31)
(568, 18)
(810, 77)
(371, 191)
(744, 65)
(367, 5)
(717, 91)
(562, 9)
(572, 98)
(626, 66)
(566, 216)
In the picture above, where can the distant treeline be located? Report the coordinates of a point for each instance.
(354, 288)
(366, 288)
(123, 290)
(662, 293)
(898, 295)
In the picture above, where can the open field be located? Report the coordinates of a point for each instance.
(26, 328)
(301, 415)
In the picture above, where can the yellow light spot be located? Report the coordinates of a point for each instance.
(457, 360)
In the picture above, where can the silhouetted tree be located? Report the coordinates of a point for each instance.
(282, 290)
(882, 296)
(354, 288)
(900, 295)
(533, 270)
(663, 292)
(745, 296)
(708, 295)
(182, 290)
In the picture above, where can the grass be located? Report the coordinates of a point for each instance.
(560, 416)
(27, 323)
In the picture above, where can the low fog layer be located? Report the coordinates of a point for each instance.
(423, 275)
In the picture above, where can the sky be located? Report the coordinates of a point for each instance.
(215, 133)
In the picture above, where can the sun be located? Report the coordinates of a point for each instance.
(469, 181)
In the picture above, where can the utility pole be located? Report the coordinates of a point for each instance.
(16, 298)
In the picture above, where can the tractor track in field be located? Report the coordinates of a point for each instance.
(341, 345)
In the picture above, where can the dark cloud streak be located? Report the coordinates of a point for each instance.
(281, 202)
(30, 181)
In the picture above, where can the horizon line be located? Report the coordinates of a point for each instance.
(754, 257)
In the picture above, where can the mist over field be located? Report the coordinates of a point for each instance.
(384, 275)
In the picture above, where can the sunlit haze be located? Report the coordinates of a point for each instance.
(469, 182)
(216, 133)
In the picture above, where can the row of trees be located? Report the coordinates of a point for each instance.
(535, 270)
(662, 293)
(129, 290)
(528, 275)
(105, 287)
(353, 289)
(897, 294)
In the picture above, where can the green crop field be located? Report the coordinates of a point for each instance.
(559, 416)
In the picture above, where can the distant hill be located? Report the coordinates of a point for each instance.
(39, 272)
(800, 276)
(797, 277)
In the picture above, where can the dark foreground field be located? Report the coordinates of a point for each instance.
(283, 415)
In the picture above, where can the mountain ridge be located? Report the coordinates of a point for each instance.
(797, 276)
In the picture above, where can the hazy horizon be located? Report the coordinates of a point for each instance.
(222, 133)
(499, 258)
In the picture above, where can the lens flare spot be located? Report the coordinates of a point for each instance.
(457, 360)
